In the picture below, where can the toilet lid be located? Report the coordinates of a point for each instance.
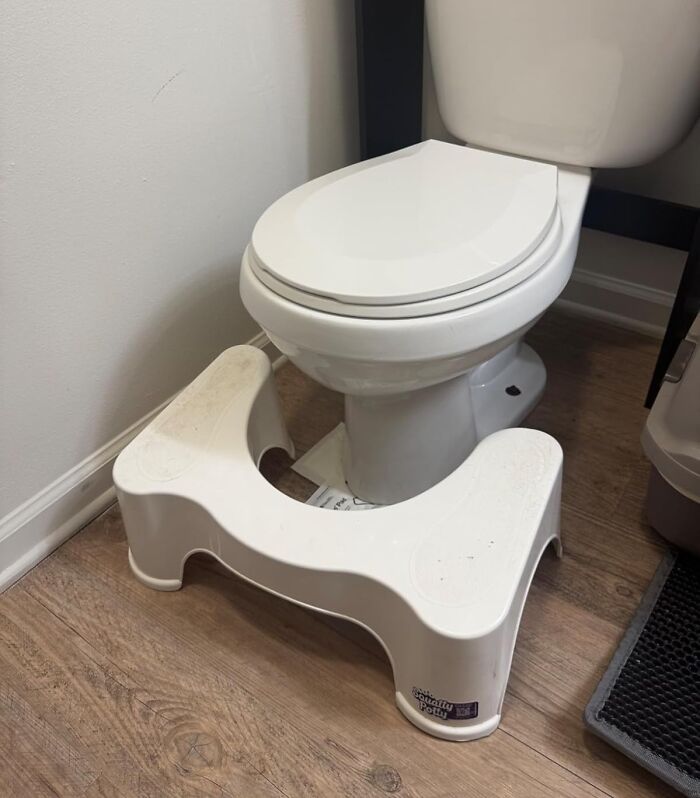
(427, 221)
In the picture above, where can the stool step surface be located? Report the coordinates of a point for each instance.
(439, 579)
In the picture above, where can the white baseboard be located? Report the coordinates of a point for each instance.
(620, 302)
(261, 341)
(34, 529)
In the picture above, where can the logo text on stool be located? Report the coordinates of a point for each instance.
(445, 710)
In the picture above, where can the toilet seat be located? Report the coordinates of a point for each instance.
(427, 307)
(466, 225)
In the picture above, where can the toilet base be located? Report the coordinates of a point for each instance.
(440, 580)
(507, 388)
(399, 445)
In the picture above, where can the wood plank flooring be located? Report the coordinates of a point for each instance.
(110, 689)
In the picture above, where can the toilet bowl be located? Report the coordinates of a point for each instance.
(406, 282)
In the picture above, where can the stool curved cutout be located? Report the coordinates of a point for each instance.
(440, 579)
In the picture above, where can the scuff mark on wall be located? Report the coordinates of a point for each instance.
(166, 84)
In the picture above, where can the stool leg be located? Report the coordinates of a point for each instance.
(162, 531)
(454, 688)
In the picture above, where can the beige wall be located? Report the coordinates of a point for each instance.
(139, 142)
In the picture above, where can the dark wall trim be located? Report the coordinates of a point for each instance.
(390, 74)
(644, 218)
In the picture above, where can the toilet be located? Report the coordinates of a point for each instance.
(407, 281)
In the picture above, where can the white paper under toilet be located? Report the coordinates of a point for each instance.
(323, 465)
(331, 498)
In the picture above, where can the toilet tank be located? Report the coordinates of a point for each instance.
(588, 82)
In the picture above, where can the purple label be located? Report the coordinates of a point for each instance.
(443, 709)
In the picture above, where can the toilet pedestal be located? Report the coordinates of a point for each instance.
(440, 579)
(399, 445)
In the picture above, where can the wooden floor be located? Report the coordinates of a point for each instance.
(110, 689)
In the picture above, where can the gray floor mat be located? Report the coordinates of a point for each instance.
(648, 703)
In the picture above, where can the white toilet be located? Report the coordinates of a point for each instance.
(407, 281)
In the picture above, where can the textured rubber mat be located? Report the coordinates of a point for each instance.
(648, 702)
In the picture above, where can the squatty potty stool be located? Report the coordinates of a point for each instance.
(439, 579)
